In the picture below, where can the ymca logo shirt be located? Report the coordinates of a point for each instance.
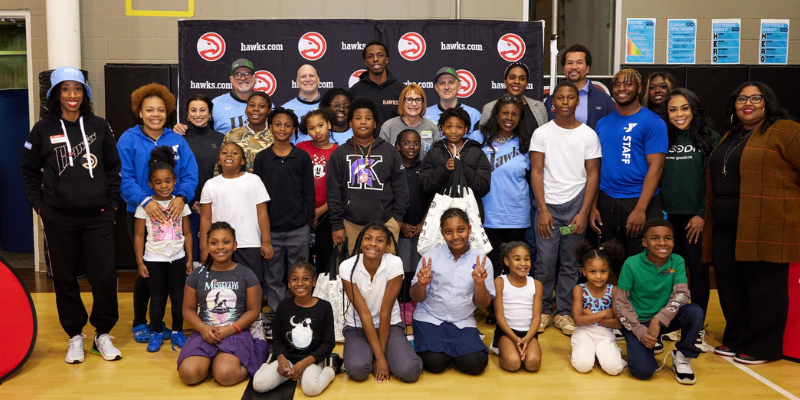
(626, 141)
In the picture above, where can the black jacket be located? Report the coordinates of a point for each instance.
(386, 95)
(434, 175)
(50, 179)
(289, 181)
(383, 195)
(205, 143)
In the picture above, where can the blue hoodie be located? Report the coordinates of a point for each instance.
(134, 149)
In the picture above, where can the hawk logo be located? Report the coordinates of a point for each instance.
(312, 46)
(511, 47)
(211, 46)
(630, 127)
(411, 46)
(265, 82)
(468, 83)
(355, 77)
(362, 174)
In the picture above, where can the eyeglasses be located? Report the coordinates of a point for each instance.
(412, 100)
(754, 99)
(240, 75)
(508, 97)
(343, 106)
(411, 144)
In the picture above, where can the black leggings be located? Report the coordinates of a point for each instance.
(166, 278)
(141, 289)
(692, 253)
(472, 363)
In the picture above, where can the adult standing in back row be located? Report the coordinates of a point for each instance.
(378, 84)
(634, 141)
(576, 60)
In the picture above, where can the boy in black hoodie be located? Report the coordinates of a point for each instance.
(366, 181)
(378, 84)
(439, 162)
(70, 167)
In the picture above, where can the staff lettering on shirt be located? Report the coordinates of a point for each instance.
(626, 149)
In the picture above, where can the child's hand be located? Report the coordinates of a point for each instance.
(424, 276)
(221, 332)
(406, 229)
(544, 224)
(609, 313)
(209, 335)
(189, 267)
(284, 367)
(300, 367)
(522, 346)
(143, 272)
(266, 251)
(587, 311)
(479, 273)
(451, 164)
(650, 338)
(338, 237)
(175, 208)
(380, 368)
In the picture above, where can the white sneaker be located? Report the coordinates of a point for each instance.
(673, 336)
(103, 347)
(76, 351)
(494, 350)
(618, 335)
(700, 342)
(546, 321)
(682, 367)
(565, 323)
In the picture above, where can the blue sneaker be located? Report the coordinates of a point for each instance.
(155, 342)
(166, 333)
(178, 339)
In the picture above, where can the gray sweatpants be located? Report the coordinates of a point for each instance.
(548, 252)
(358, 356)
(313, 381)
(287, 246)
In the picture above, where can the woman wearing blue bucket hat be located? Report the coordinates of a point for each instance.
(70, 167)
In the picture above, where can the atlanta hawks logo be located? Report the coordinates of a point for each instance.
(312, 46)
(411, 46)
(355, 77)
(511, 47)
(265, 82)
(468, 83)
(211, 46)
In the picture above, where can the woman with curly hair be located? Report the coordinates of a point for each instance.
(70, 167)
(153, 103)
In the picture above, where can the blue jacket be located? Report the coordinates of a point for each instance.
(600, 105)
(134, 149)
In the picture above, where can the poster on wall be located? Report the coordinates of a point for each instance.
(774, 41)
(681, 41)
(725, 41)
(640, 37)
(478, 50)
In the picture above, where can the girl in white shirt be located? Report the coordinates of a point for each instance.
(375, 340)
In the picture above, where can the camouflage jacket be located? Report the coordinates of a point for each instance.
(252, 142)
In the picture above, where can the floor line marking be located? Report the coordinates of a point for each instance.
(761, 378)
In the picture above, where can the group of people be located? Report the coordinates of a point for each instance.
(223, 209)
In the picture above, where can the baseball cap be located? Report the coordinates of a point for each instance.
(446, 71)
(68, 74)
(242, 62)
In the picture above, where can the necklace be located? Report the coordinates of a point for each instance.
(730, 151)
(502, 139)
(364, 175)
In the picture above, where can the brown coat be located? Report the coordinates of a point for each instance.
(769, 197)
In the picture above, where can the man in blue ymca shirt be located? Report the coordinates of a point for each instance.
(634, 141)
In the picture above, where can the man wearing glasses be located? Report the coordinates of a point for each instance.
(229, 108)
(378, 84)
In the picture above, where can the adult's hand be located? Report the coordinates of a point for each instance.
(180, 128)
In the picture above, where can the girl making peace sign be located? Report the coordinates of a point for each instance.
(448, 294)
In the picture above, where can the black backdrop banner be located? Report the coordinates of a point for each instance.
(480, 50)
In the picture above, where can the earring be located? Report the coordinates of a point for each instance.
(763, 111)
(731, 119)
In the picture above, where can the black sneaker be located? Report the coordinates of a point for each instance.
(334, 361)
(268, 332)
(724, 351)
(491, 319)
(749, 360)
(659, 347)
(682, 367)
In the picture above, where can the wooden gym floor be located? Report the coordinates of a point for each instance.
(144, 375)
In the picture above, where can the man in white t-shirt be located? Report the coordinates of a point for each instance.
(565, 174)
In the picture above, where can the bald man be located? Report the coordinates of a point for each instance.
(308, 98)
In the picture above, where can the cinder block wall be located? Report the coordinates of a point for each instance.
(750, 12)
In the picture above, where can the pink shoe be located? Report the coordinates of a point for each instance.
(406, 312)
